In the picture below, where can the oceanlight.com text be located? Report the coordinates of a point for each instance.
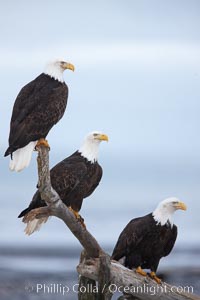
(58, 288)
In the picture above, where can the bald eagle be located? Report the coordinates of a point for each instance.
(39, 105)
(74, 178)
(145, 240)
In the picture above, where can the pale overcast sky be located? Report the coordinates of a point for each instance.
(137, 68)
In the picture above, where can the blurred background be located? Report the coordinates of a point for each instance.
(137, 79)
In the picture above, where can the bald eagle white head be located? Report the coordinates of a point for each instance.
(90, 147)
(165, 210)
(56, 68)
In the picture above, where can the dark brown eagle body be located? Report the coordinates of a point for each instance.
(143, 243)
(39, 105)
(74, 179)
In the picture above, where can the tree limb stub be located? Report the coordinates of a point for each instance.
(104, 277)
(85, 282)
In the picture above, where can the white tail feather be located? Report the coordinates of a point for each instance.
(21, 157)
(34, 225)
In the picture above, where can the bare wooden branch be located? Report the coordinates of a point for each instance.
(128, 282)
(95, 265)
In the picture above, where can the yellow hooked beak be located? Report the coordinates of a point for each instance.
(180, 205)
(102, 137)
(68, 66)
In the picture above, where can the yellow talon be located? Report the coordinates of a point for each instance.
(140, 271)
(77, 216)
(154, 277)
(42, 142)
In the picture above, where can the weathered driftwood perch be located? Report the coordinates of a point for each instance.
(95, 265)
(127, 281)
